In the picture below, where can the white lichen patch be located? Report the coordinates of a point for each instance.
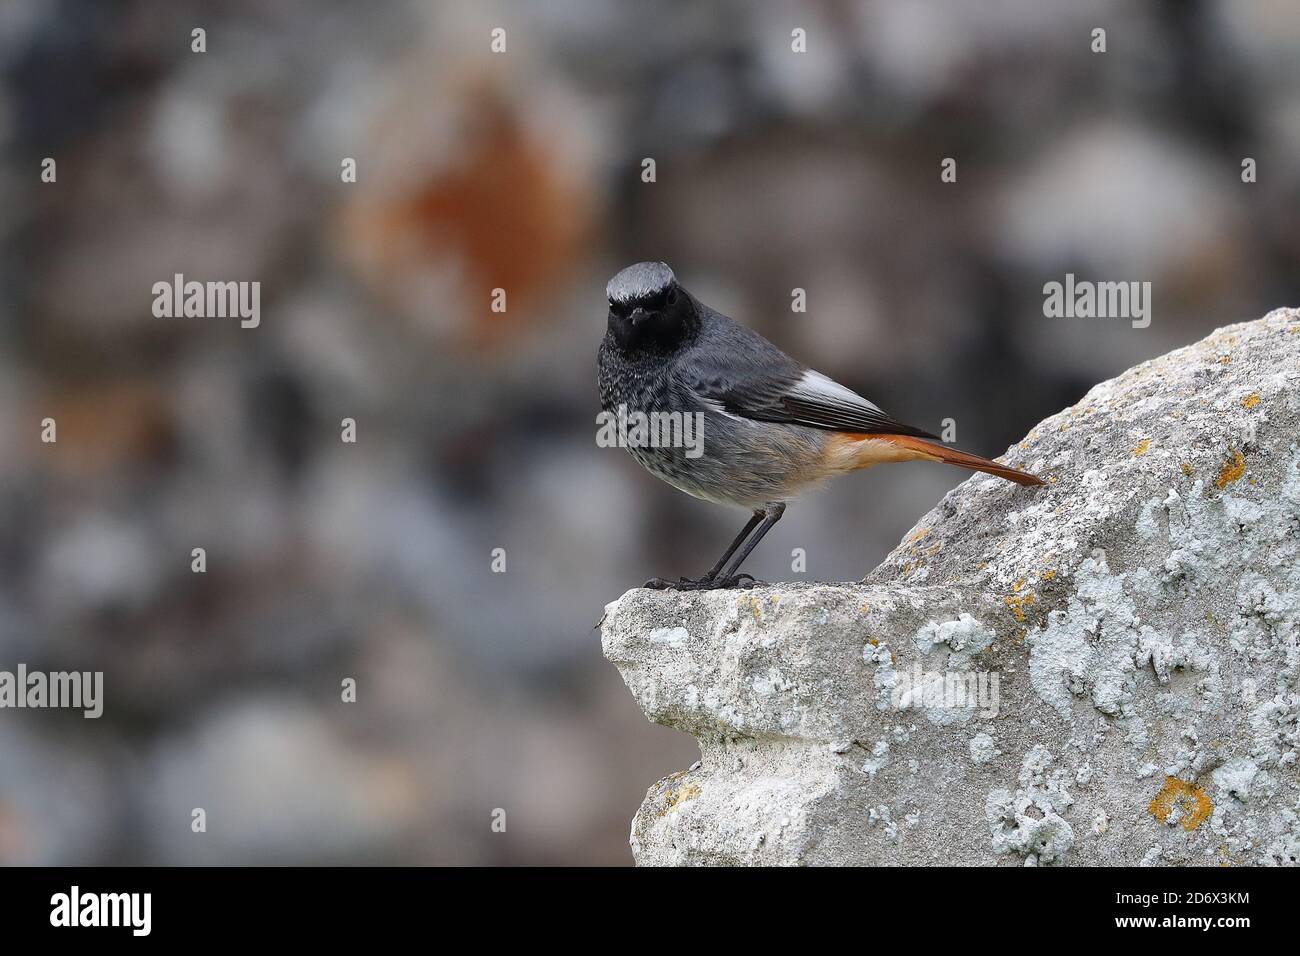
(983, 749)
(672, 636)
(878, 760)
(964, 638)
(1234, 779)
(1087, 650)
(886, 677)
(1028, 821)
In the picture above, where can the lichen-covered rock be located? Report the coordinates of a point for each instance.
(1104, 671)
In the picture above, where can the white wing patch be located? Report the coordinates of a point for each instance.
(816, 387)
(714, 404)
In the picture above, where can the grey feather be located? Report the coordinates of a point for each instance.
(748, 376)
(642, 280)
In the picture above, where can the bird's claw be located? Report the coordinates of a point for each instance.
(703, 584)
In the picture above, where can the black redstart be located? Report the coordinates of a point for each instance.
(770, 427)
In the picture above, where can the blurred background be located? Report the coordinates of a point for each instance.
(476, 429)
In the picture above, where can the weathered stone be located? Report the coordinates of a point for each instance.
(1130, 636)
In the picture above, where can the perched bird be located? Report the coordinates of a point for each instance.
(771, 427)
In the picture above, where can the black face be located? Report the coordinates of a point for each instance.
(655, 322)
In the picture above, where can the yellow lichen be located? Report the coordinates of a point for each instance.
(1141, 447)
(1231, 471)
(1250, 401)
(1193, 804)
(1187, 469)
(751, 604)
(1018, 604)
(679, 796)
(1047, 576)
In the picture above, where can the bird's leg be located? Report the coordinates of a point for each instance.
(772, 514)
(687, 584)
(729, 578)
(754, 519)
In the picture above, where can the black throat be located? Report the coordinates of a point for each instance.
(654, 326)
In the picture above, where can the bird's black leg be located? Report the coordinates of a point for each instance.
(687, 583)
(754, 519)
(772, 514)
(730, 579)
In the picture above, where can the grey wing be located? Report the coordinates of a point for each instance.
(762, 383)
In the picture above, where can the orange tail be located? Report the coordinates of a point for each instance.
(934, 451)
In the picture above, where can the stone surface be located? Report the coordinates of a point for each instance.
(1126, 639)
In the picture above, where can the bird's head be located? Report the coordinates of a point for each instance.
(648, 309)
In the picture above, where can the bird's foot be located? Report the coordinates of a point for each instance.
(663, 584)
(703, 584)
